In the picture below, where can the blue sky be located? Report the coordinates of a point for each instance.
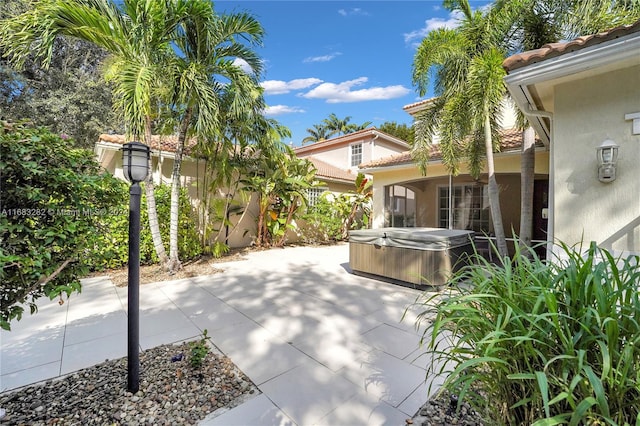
(351, 58)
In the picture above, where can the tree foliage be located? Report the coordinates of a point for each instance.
(400, 131)
(51, 201)
(333, 126)
(70, 97)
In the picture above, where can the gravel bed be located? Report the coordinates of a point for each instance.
(171, 392)
(441, 410)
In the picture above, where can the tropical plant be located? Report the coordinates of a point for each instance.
(530, 342)
(359, 203)
(243, 136)
(322, 221)
(534, 23)
(318, 133)
(466, 67)
(51, 201)
(207, 46)
(110, 246)
(72, 88)
(136, 34)
(280, 182)
(341, 126)
(333, 126)
(400, 131)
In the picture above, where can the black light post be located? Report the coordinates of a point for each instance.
(135, 164)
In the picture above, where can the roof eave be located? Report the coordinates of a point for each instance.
(519, 80)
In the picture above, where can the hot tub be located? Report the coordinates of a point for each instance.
(423, 256)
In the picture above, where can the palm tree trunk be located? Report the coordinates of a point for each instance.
(527, 173)
(152, 213)
(174, 260)
(494, 192)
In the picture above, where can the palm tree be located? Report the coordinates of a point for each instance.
(341, 126)
(206, 46)
(534, 23)
(318, 133)
(351, 128)
(337, 126)
(467, 71)
(137, 36)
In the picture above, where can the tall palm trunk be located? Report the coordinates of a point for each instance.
(174, 260)
(527, 173)
(151, 201)
(494, 191)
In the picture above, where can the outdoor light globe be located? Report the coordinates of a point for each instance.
(135, 161)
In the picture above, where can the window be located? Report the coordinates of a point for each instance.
(313, 195)
(356, 154)
(470, 207)
(400, 207)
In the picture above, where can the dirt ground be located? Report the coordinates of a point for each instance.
(205, 265)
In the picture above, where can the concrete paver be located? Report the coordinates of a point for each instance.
(324, 346)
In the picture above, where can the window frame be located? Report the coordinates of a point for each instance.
(353, 155)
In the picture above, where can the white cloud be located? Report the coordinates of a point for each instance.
(342, 92)
(324, 58)
(279, 87)
(243, 65)
(353, 11)
(281, 109)
(433, 24)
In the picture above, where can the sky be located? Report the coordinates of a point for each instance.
(351, 58)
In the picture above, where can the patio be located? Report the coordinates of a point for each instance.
(324, 346)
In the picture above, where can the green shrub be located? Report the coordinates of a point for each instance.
(542, 344)
(323, 222)
(111, 249)
(199, 351)
(51, 200)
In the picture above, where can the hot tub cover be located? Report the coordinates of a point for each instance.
(414, 238)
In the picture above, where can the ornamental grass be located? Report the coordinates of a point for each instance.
(541, 343)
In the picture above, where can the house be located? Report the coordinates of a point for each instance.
(337, 159)
(192, 172)
(403, 197)
(579, 94)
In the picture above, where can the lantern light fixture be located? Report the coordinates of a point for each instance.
(135, 161)
(607, 155)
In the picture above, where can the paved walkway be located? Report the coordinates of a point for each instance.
(324, 346)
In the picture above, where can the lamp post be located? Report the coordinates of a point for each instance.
(135, 164)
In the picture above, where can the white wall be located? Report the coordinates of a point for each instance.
(586, 112)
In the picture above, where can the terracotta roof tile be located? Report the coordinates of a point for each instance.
(416, 104)
(162, 143)
(553, 50)
(326, 170)
(511, 141)
(344, 139)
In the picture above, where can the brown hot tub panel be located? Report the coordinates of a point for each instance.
(423, 256)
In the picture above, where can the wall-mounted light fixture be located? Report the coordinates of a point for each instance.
(607, 154)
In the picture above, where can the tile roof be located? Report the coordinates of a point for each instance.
(344, 139)
(552, 50)
(162, 143)
(416, 104)
(326, 170)
(511, 141)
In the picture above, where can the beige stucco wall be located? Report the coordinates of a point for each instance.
(586, 112)
(241, 235)
(426, 188)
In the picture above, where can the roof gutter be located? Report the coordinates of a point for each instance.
(520, 80)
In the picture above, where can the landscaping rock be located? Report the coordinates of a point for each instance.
(169, 389)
